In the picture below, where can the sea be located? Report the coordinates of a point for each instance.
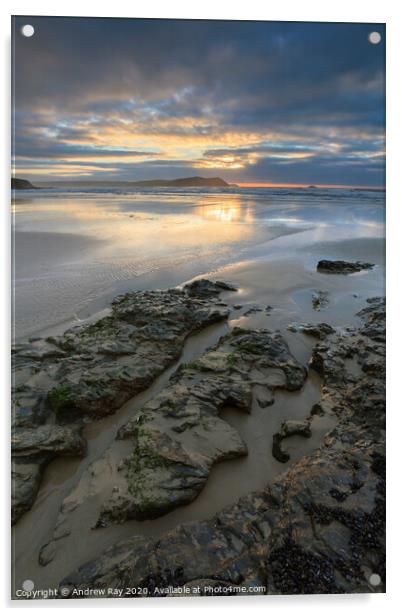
(75, 248)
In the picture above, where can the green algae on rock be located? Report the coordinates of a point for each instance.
(319, 528)
(178, 436)
(91, 370)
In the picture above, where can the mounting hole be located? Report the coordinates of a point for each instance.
(27, 30)
(375, 579)
(28, 585)
(374, 38)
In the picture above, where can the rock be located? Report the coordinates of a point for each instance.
(49, 550)
(288, 428)
(355, 393)
(252, 310)
(32, 449)
(374, 320)
(290, 538)
(47, 553)
(29, 411)
(342, 267)
(178, 435)
(161, 475)
(48, 440)
(91, 370)
(317, 330)
(25, 481)
(204, 288)
(320, 300)
(264, 397)
(316, 410)
(319, 528)
(20, 184)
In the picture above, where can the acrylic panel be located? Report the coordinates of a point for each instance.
(198, 376)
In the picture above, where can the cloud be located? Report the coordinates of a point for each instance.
(251, 98)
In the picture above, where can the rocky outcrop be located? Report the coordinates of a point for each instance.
(19, 184)
(203, 288)
(317, 330)
(352, 364)
(295, 537)
(32, 449)
(178, 435)
(319, 528)
(290, 427)
(326, 266)
(40, 442)
(91, 370)
(320, 300)
(25, 482)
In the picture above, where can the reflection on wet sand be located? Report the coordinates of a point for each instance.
(77, 250)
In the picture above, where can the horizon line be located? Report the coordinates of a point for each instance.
(305, 185)
(244, 184)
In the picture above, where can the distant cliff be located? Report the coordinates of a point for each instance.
(18, 184)
(194, 181)
(180, 182)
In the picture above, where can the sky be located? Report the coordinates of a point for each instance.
(277, 103)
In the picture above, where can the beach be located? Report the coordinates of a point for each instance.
(76, 250)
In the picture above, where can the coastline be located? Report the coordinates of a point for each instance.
(78, 251)
(276, 281)
(290, 300)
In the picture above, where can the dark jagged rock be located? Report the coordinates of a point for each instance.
(353, 366)
(291, 538)
(320, 300)
(319, 528)
(374, 319)
(207, 289)
(289, 428)
(252, 310)
(32, 449)
(317, 330)
(178, 435)
(91, 370)
(25, 481)
(342, 267)
(36, 443)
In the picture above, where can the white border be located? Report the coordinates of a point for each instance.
(285, 10)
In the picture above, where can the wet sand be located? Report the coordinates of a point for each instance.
(75, 252)
(278, 272)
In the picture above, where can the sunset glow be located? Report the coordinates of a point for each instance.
(167, 99)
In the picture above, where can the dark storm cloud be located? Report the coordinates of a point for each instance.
(335, 171)
(193, 92)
